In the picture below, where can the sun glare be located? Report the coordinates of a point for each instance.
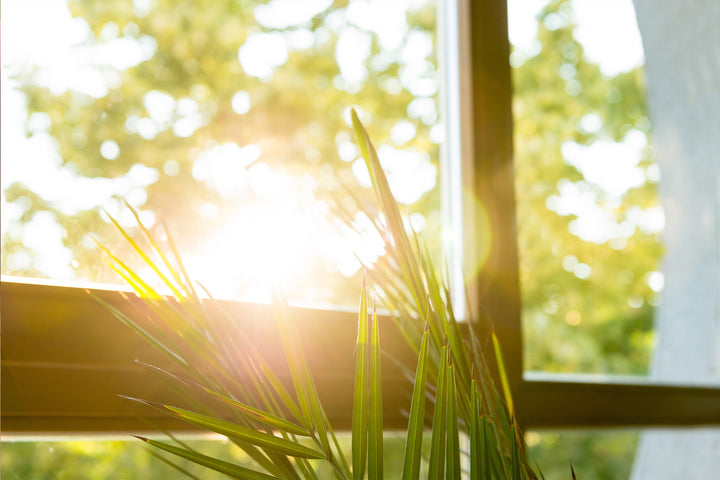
(269, 243)
(281, 238)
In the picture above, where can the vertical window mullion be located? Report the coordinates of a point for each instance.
(491, 241)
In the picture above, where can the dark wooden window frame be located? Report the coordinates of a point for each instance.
(65, 358)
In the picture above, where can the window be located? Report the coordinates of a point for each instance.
(595, 233)
(586, 167)
(250, 119)
(608, 284)
(54, 316)
(120, 104)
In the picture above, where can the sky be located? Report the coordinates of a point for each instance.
(42, 33)
(607, 30)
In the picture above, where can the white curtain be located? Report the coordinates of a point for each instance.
(682, 51)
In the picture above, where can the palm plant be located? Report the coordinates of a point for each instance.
(284, 428)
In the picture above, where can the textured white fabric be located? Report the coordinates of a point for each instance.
(681, 40)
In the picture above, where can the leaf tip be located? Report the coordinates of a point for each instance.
(129, 398)
(354, 115)
(149, 403)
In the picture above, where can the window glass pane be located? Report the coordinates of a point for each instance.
(596, 454)
(612, 227)
(626, 454)
(96, 459)
(228, 122)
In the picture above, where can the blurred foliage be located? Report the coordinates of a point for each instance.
(295, 117)
(129, 460)
(596, 455)
(599, 321)
(98, 459)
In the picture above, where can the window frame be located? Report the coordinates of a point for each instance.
(554, 401)
(65, 357)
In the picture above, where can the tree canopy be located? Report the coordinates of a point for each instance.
(227, 116)
(230, 118)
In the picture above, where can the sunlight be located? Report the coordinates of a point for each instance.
(400, 166)
(255, 247)
(275, 235)
(278, 240)
(614, 53)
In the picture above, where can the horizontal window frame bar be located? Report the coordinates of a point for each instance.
(65, 359)
(577, 404)
(32, 407)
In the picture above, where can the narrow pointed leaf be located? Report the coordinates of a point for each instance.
(436, 464)
(138, 284)
(176, 255)
(515, 455)
(413, 445)
(144, 256)
(266, 460)
(476, 443)
(305, 384)
(282, 465)
(290, 340)
(262, 416)
(141, 331)
(246, 411)
(487, 453)
(261, 364)
(375, 420)
(174, 465)
(540, 473)
(343, 469)
(407, 262)
(259, 439)
(503, 375)
(307, 471)
(153, 243)
(453, 435)
(230, 469)
(360, 407)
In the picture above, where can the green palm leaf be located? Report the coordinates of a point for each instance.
(143, 255)
(264, 417)
(453, 434)
(413, 445)
(254, 401)
(436, 464)
(360, 398)
(238, 432)
(503, 375)
(477, 444)
(230, 469)
(375, 418)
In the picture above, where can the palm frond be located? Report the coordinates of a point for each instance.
(284, 428)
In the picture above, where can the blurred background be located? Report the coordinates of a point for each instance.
(227, 121)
